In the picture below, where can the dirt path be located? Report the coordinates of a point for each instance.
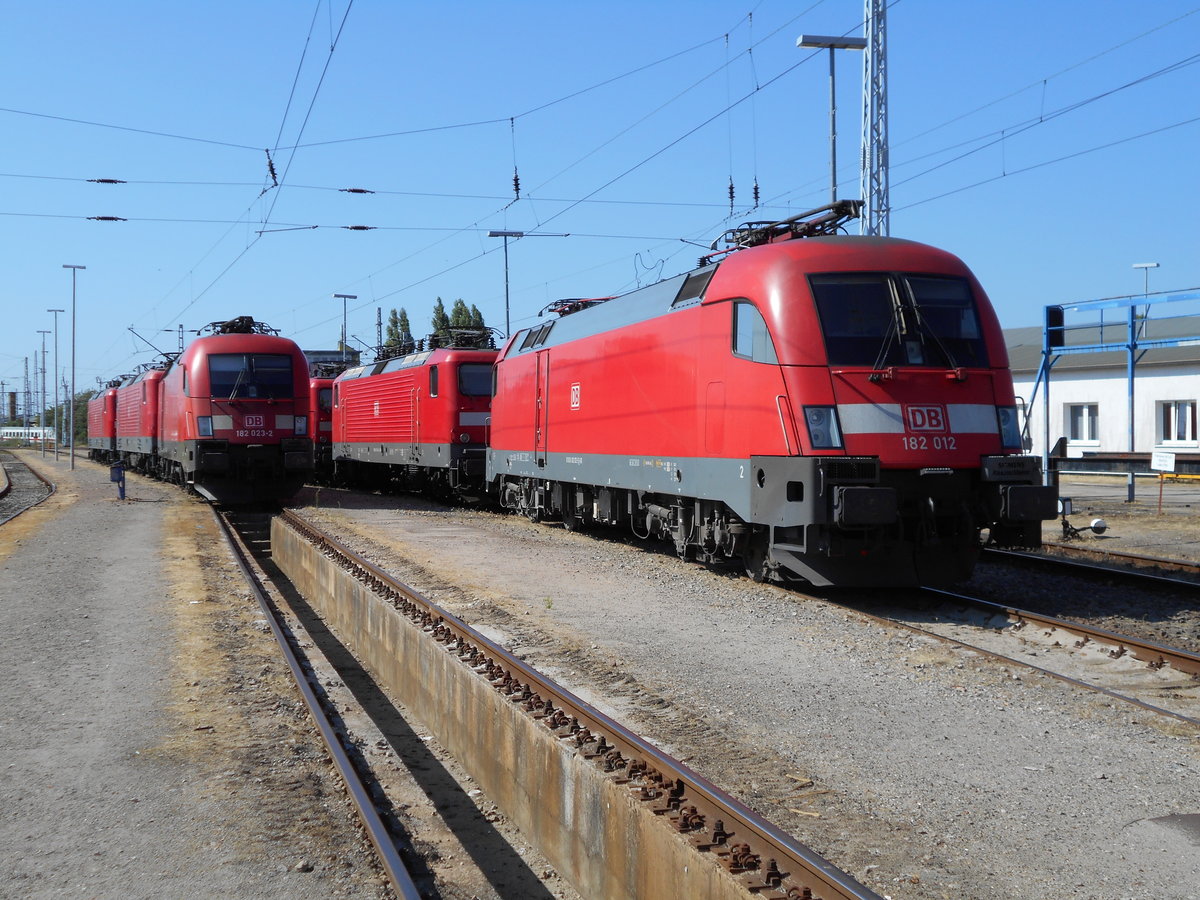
(152, 745)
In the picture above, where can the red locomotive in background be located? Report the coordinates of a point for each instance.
(102, 422)
(417, 420)
(137, 418)
(833, 408)
(228, 417)
(320, 420)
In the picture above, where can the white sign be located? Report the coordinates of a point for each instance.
(1162, 461)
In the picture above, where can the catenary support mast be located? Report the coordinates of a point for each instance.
(874, 186)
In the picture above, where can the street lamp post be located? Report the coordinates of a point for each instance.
(344, 298)
(71, 396)
(1146, 267)
(515, 234)
(42, 406)
(57, 432)
(832, 43)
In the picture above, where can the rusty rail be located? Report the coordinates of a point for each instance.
(1055, 553)
(1154, 655)
(759, 857)
(12, 488)
(359, 793)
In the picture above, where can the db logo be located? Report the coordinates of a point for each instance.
(254, 421)
(925, 418)
(575, 395)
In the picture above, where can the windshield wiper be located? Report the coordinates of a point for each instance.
(925, 328)
(238, 382)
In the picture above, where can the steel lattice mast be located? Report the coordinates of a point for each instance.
(874, 183)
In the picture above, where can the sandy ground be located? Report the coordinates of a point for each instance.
(1170, 529)
(152, 745)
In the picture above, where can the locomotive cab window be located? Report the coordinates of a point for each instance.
(751, 339)
(254, 376)
(475, 379)
(433, 381)
(883, 320)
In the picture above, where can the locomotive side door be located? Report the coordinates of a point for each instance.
(414, 421)
(541, 407)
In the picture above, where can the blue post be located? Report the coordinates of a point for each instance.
(117, 474)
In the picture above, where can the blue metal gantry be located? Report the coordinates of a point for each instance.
(1130, 334)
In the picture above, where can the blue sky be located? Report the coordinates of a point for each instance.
(1050, 145)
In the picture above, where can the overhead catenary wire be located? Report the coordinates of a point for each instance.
(1050, 162)
(589, 198)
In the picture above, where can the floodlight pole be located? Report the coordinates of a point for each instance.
(832, 43)
(57, 430)
(1146, 267)
(344, 298)
(71, 396)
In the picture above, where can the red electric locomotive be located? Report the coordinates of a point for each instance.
(234, 415)
(416, 421)
(320, 421)
(137, 419)
(102, 423)
(837, 409)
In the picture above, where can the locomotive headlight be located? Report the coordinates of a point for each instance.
(464, 438)
(824, 433)
(204, 426)
(301, 423)
(1010, 428)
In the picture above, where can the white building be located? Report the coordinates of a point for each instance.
(1089, 392)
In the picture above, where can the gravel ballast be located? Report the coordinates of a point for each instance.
(925, 771)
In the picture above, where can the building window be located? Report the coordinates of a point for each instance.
(1177, 421)
(1082, 419)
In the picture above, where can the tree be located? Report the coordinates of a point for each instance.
(81, 413)
(391, 336)
(476, 317)
(440, 324)
(398, 339)
(406, 337)
(460, 316)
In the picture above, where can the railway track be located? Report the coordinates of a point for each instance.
(615, 815)
(244, 533)
(1144, 604)
(27, 488)
(1086, 649)
(1111, 564)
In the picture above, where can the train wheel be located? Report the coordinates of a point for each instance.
(755, 558)
(571, 520)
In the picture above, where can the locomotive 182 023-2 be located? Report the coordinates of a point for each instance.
(805, 404)
(227, 417)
